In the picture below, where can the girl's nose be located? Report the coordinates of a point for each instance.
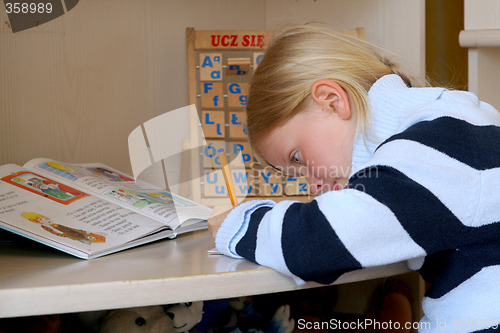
(315, 184)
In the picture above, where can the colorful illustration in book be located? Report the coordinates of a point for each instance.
(64, 170)
(64, 231)
(168, 198)
(163, 196)
(45, 187)
(110, 175)
(137, 199)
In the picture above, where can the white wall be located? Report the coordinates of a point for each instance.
(484, 62)
(397, 25)
(72, 89)
(481, 14)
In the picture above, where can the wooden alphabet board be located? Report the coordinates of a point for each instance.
(220, 65)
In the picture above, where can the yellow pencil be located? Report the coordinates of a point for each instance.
(227, 177)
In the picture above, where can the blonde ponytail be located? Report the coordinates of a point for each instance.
(410, 80)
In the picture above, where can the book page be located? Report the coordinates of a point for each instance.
(53, 213)
(121, 189)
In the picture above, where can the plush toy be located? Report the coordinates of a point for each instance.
(248, 316)
(275, 319)
(185, 315)
(227, 316)
(148, 319)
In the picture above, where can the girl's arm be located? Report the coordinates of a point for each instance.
(430, 191)
(384, 217)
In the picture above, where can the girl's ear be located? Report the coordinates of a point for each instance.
(329, 94)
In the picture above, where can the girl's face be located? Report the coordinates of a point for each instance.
(317, 144)
(45, 221)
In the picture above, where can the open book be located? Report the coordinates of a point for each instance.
(90, 210)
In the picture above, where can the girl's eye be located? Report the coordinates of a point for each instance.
(295, 158)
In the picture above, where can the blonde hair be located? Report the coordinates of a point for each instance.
(301, 55)
(33, 217)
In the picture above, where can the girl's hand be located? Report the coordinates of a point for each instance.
(218, 215)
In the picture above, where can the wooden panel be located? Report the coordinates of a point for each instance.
(212, 95)
(226, 88)
(216, 39)
(214, 185)
(237, 125)
(213, 124)
(210, 66)
(270, 184)
(210, 155)
(238, 66)
(257, 56)
(446, 60)
(237, 94)
(246, 152)
(481, 14)
(296, 186)
(244, 182)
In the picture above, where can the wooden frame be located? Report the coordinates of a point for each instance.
(220, 64)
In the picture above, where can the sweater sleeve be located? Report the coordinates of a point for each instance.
(405, 204)
(318, 241)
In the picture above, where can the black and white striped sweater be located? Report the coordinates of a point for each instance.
(425, 191)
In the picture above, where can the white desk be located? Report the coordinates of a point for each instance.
(40, 280)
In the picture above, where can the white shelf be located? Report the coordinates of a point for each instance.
(479, 38)
(44, 281)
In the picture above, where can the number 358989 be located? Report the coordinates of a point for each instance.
(28, 7)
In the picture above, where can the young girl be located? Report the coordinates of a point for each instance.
(404, 172)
